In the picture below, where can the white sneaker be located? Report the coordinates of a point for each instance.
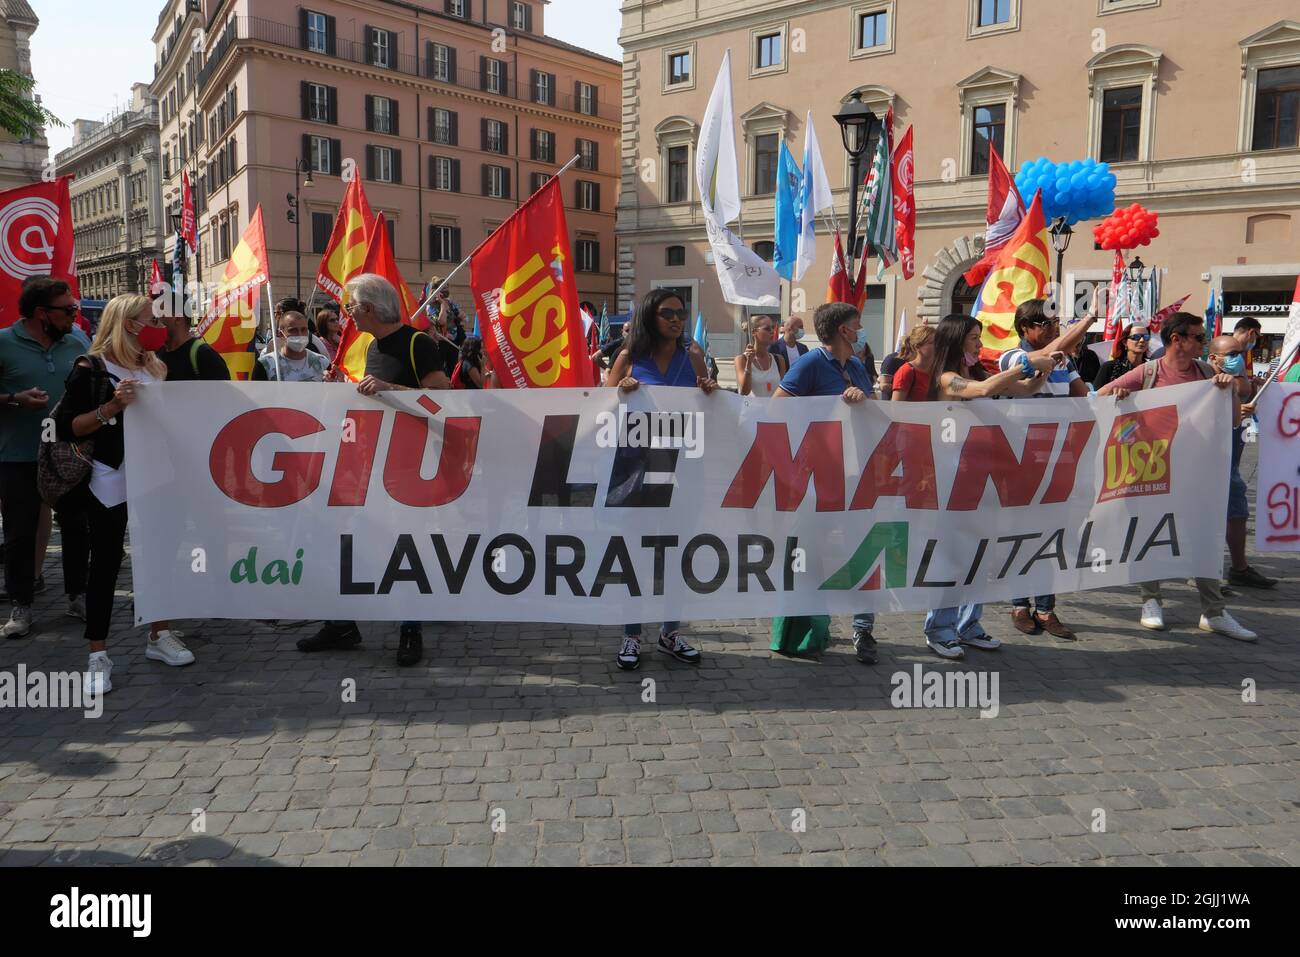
(1153, 616)
(1225, 624)
(19, 623)
(169, 650)
(77, 606)
(97, 679)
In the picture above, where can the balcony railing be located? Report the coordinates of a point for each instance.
(287, 35)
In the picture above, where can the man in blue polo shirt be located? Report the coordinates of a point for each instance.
(1040, 336)
(36, 356)
(835, 369)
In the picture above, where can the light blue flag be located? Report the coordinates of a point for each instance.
(789, 181)
(701, 335)
(603, 328)
(476, 332)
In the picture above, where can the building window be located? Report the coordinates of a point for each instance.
(767, 52)
(442, 177)
(585, 100)
(440, 63)
(993, 12)
(442, 128)
(1119, 6)
(494, 136)
(679, 68)
(538, 180)
(587, 252)
(990, 127)
(993, 16)
(383, 164)
(496, 182)
(873, 29)
(765, 250)
(1121, 124)
(543, 88)
(588, 196)
(766, 154)
(444, 243)
(458, 8)
(521, 16)
(588, 158)
(675, 256)
(678, 174)
(380, 54)
(322, 156)
(322, 226)
(1277, 109)
(383, 115)
(494, 76)
(543, 146)
(317, 41)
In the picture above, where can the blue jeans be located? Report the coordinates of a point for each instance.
(864, 621)
(634, 631)
(951, 624)
(1044, 603)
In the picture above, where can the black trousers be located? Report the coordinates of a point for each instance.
(20, 506)
(107, 538)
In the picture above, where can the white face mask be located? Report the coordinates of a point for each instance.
(296, 343)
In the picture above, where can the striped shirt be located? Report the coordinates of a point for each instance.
(1057, 381)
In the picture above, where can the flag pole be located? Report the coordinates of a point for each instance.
(275, 349)
(464, 262)
(1273, 375)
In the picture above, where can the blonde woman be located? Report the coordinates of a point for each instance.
(912, 380)
(758, 372)
(103, 383)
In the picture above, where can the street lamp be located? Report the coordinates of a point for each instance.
(1061, 235)
(855, 121)
(299, 167)
(1134, 270)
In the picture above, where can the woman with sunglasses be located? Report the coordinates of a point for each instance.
(657, 352)
(1129, 352)
(758, 372)
(955, 373)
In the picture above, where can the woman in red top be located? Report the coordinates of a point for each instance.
(912, 380)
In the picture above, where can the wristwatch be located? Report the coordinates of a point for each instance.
(11, 401)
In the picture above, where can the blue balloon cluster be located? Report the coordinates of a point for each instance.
(1080, 189)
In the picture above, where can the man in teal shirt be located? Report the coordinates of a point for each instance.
(36, 356)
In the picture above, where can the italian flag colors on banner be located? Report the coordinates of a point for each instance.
(524, 285)
(232, 317)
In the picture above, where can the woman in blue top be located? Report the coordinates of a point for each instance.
(658, 352)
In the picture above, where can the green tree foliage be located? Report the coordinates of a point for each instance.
(20, 115)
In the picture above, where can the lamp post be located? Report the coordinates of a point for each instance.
(855, 121)
(293, 216)
(1061, 235)
(1134, 272)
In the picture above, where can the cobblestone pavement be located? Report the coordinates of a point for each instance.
(523, 744)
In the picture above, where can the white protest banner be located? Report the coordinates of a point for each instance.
(1277, 506)
(268, 500)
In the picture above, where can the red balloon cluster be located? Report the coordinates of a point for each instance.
(1127, 228)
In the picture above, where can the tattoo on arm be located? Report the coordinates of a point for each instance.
(957, 384)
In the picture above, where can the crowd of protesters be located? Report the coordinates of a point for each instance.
(86, 390)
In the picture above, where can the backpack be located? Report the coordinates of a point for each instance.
(64, 464)
(1152, 366)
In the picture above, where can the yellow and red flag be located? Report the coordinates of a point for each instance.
(232, 315)
(1021, 272)
(345, 256)
(838, 288)
(527, 294)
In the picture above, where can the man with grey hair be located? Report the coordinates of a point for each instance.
(400, 358)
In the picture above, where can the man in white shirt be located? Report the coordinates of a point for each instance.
(296, 362)
(788, 347)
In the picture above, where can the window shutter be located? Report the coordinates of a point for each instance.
(432, 124)
(370, 44)
(433, 244)
(454, 117)
(455, 176)
(505, 140)
(595, 99)
(505, 182)
(595, 155)
(485, 178)
(306, 99)
(432, 182)
(532, 144)
(428, 58)
(306, 156)
(446, 8)
(595, 256)
(392, 50)
(528, 18)
(451, 64)
(469, 9)
(455, 244)
(532, 84)
(595, 197)
(329, 35)
(370, 113)
(550, 90)
(483, 128)
(302, 27)
(397, 165)
(505, 78)
(370, 162)
(482, 73)
(396, 127)
(333, 104)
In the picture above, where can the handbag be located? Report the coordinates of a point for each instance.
(64, 464)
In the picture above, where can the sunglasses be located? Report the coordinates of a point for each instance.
(672, 315)
(1199, 338)
(1142, 338)
(1047, 323)
(66, 310)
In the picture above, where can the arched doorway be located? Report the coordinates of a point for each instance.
(962, 299)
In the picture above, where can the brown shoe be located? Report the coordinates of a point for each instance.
(1024, 621)
(1053, 626)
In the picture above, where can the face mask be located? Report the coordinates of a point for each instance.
(972, 359)
(296, 343)
(151, 338)
(798, 334)
(1234, 365)
(862, 339)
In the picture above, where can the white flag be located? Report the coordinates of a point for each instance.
(902, 332)
(746, 279)
(814, 196)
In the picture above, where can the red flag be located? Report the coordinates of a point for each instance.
(1159, 318)
(1112, 304)
(36, 239)
(905, 204)
(189, 222)
(838, 288)
(157, 285)
(346, 252)
(1005, 213)
(1021, 273)
(523, 281)
(232, 315)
